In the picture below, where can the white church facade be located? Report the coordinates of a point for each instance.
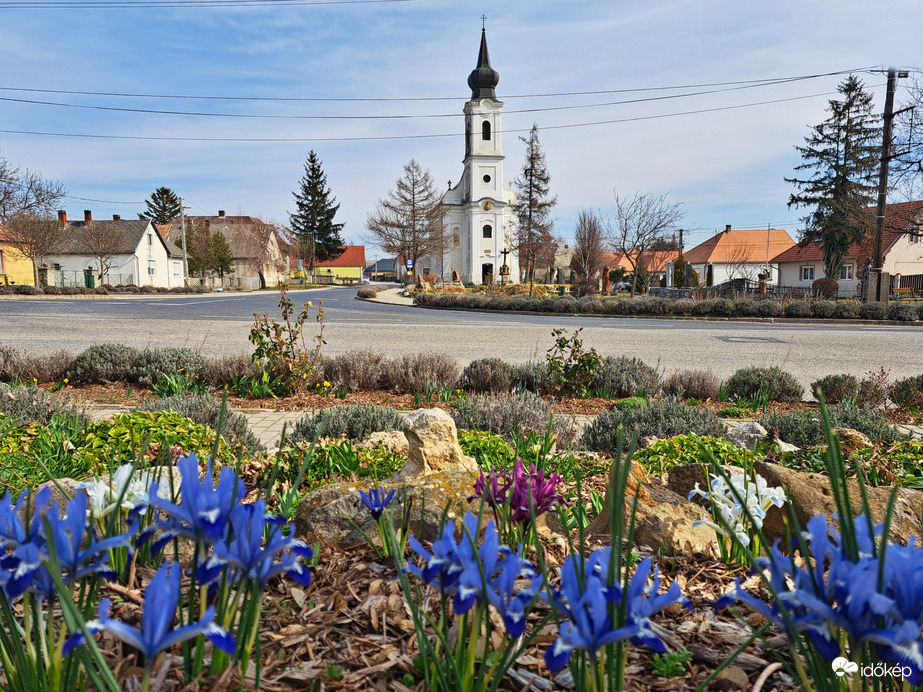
(481, 210)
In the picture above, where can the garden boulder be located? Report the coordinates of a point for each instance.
(810, 494)
(393, 440)
(746, 435)
(328, 513)
(432, 445)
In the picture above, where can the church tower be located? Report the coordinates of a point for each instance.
(481, 210)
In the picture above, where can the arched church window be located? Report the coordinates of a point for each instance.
(485, 130)
(455, 238)
(488, 231)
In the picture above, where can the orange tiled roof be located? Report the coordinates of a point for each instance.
(741, 245)
(353, 256)
(897, 218)
(655, 261)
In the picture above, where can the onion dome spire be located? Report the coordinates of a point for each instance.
(483, 78)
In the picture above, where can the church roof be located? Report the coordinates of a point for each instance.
(483, 78)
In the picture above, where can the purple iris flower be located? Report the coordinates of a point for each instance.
(376, 501)
(252, 558)
(528, 493)
(160, 600)
(204, 508)
(586, 599)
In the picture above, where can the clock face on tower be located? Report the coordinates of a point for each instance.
(487, 206)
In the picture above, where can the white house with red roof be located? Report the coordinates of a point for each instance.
(738, 253)
(902, 252)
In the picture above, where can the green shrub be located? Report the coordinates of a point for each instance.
(680, 450)
(29, 404)
(204, 409)
(530, 377)
(798, 308)
(487, 375)
(413, 372)
(511, 414)
(735, 412)
(684, 306)
(119, 441)
(591, 307)
(746, 383)
(908, 392)
(625, 376)
(564, 304)
(697, 384)
(723, 307)
(355, 422)
(704, 307)
(873, 311)
(746, 307)
(662, 418)
(630, 402)
(835, 388)
(154, 363)
(104, 364)
(823, 308)
(846, 310)
(903, 312)
(488, 449)
(21, 446)
(358, 370)
(805, 429)
(769, 308)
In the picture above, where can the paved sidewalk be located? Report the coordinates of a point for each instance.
(392, 296)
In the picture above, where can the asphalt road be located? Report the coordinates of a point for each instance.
(220, 323)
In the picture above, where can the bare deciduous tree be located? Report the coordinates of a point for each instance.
(261, 253)
(589, 240)
(35, 236)
(641, 221)
(408, 222)
(25, 191)
(102, 241)
(739, 263)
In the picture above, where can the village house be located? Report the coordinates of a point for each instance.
(739, 253)
(902, 254)
(347, 268)
(133, 252)
(15, 268)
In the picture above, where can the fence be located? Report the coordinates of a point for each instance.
(245, 283)
(912, 281)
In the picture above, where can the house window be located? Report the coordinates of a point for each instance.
(846, 272)
(807, 273)
(488, 231)
(913, 237)
(485, 131)
(150, 239)
(152, 268)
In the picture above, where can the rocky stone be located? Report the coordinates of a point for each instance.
(647, 441)
(68, 485)
(327, 513)
(432, 445)
(852, 439)
(746, 435)
(786, 446)
(810, 494)
(393, 440)
(663, 519)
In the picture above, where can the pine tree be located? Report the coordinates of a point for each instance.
(313, 221)
(162, 207)
(843, 154)
(534, 238)
(220, 255)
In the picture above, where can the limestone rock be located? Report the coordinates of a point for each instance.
(647, 441)
(746, 435)
(664, 519)
(432, 441)
(852, 439)
(68, 485)
(326, 513)
(810, 494)
(393, 440)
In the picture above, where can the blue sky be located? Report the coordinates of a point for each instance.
(725, 166)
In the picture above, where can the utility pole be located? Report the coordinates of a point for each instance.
(877, 291)
(182, 226)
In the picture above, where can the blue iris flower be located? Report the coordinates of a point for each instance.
(511, 603)
(204, 508)
(376, 501)
(160, 600)
(586, 599)
(249, 557)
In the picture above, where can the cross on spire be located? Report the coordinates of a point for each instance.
(483, 21)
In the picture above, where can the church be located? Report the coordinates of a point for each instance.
(481, 210)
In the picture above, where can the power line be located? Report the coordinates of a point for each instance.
(141, 4)
(101, 201)
(762, 81)
(377, 138)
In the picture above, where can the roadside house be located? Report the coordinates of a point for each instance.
(740, 253)
(15, 268)
(654, 262)
(902, 253)
(136, 254)
(347, 268)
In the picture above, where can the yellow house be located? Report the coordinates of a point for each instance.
(15, 268)
(347, 267)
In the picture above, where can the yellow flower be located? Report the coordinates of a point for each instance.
(326, 383)
(66, 380)
(34, 380)
(309, 304)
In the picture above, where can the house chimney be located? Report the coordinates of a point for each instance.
(566, 246)
(727, 228)
(221, 212)
(62, 218)
(87, 217)
(116, 217)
